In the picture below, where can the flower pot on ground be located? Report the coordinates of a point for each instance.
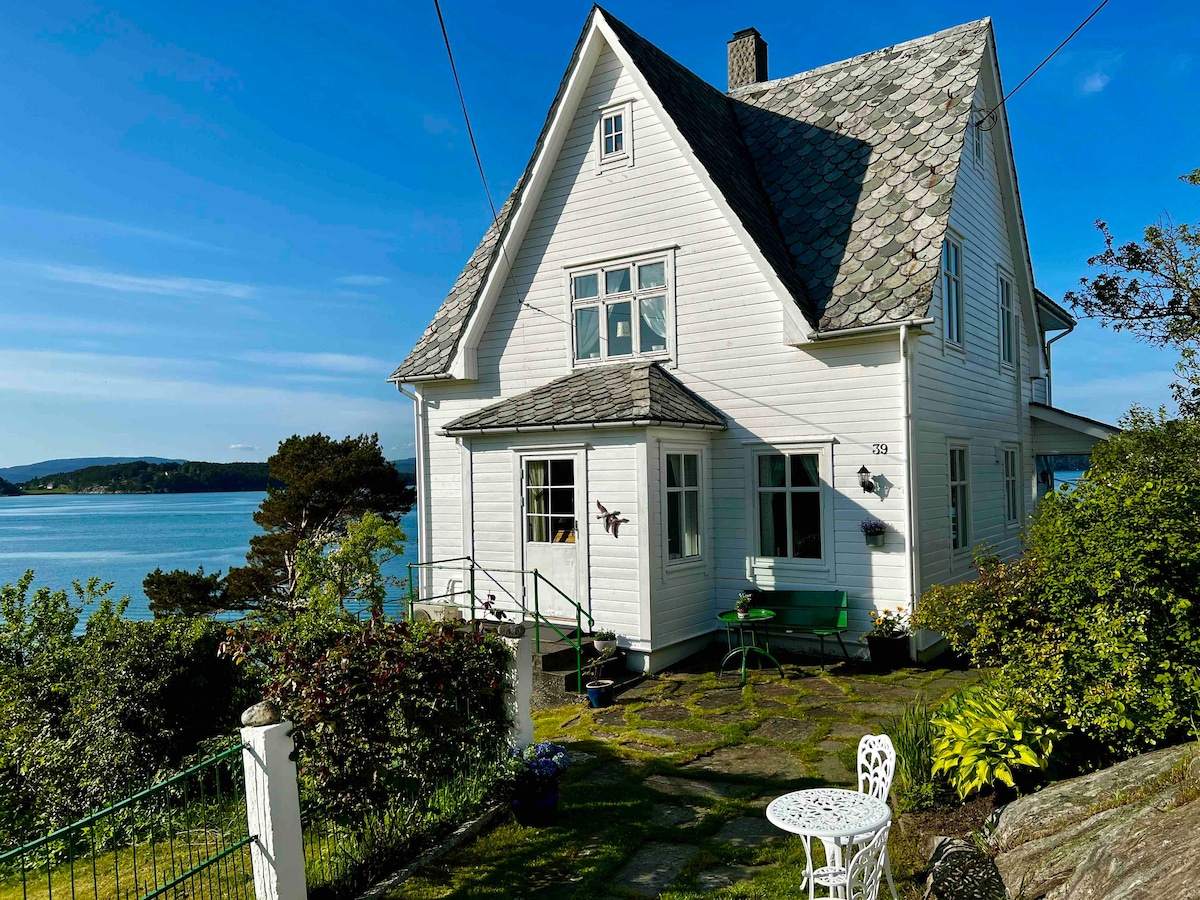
(536, 771)
(888, 638)
(874, 530)
(600, 692)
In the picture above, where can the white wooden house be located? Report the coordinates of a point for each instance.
(713, 311)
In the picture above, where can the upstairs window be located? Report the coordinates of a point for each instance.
(952, 290)
(1012, 483)
(977, 138)
(614, 136)
(1008, 322)
(620, 310)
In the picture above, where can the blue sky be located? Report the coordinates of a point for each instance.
(224, 223)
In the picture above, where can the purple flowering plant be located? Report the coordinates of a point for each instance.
(539, 765)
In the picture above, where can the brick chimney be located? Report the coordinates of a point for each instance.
(747, 58)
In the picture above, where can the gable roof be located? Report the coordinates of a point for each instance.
(841, 176)
(632, 394)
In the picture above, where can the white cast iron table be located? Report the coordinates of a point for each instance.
(834, 815)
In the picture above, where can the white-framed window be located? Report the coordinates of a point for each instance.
(614, 136)
(1012, 485)
(790, 501)
(952, 289)
(621, 310)
(960, 497)
(685, 507)
(1008, 320)
(550, 501)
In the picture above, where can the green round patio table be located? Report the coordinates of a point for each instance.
(746, 625)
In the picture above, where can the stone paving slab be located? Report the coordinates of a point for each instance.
(748, 832)
(785, 730)
(690, 787)
(668, 814)
(724, 876)
(848, 731)
(653, 868)
(665, 713)
(613, 717)
(733, 717)
(749, 759)
(719, 699)
(681, 735)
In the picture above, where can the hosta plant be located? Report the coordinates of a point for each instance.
(982, 741)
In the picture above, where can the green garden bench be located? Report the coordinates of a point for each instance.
(819, 613)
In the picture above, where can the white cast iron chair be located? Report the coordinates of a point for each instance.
(860, 879)
(876, 769)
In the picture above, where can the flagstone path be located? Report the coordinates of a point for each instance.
(668, 788)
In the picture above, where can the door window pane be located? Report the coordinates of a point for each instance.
(653, 313)
(620, 331)
(562, 529)
(562, 501)
(538, 530)
(806, 525)
(616, 281)
(587, 333)
(562, 472)
(537, 472)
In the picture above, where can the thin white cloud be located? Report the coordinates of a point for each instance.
(40, 323)
(169, 285)
(324, 362)
(363, 280)
(1094, 83)
(437, 125)
(242, 447)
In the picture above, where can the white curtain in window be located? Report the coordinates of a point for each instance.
(654, 323)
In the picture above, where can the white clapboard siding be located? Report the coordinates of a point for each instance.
(968, 397)
(847, 395)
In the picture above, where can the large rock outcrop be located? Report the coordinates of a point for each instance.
(1129, 832)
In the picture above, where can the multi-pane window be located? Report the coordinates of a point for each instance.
(612, 129)
(960, 498)
(977, 135)
(550, 501)
(790, 521)
(1008, 323)
(620, 310)
(683, 506)
(1012, 482)
(952, 289)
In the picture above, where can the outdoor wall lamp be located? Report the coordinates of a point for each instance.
(864, 479)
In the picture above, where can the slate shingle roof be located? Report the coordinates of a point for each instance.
(842, 176)
(641, 393)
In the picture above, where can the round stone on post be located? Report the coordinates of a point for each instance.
(260, 714)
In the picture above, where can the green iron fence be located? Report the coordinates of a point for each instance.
(185, 837)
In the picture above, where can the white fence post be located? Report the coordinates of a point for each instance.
(273, 805)
(518, 685)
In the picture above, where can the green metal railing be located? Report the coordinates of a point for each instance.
(470, 595)
(183, 837)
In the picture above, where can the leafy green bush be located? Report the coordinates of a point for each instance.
(88, 716)
(1096, 629)
(914, 787)
(981, 741)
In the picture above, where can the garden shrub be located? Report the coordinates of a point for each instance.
(981, 741)
(1096, 629)
(90, 715)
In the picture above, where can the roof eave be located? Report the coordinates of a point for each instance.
(579, 426)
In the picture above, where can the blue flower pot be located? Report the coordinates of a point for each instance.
(537, 810)
(600, 693)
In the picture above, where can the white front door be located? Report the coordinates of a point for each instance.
(550, 503)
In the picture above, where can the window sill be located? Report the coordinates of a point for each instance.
(789, 564)
(685, 565)
(660, 356)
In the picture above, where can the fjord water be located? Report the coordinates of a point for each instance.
(121, 537)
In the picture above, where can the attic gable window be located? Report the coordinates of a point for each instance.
(614, 136)
(952, 290)
(620, 310)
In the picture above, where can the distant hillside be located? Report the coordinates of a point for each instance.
(407, 468)
(155, 478)
(19, 474)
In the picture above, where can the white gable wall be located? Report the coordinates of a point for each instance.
(841, 395)
(969, 397)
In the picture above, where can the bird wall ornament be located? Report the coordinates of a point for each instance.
(612, 520)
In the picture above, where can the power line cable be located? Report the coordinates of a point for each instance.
(988, 121)
(479, 160)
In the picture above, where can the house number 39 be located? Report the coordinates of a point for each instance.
(879, 449)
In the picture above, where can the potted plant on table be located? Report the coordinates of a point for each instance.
(536, 771)
(888, 638)
(604, 639)
(600, 690)
(743, 603)
(874, 530)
